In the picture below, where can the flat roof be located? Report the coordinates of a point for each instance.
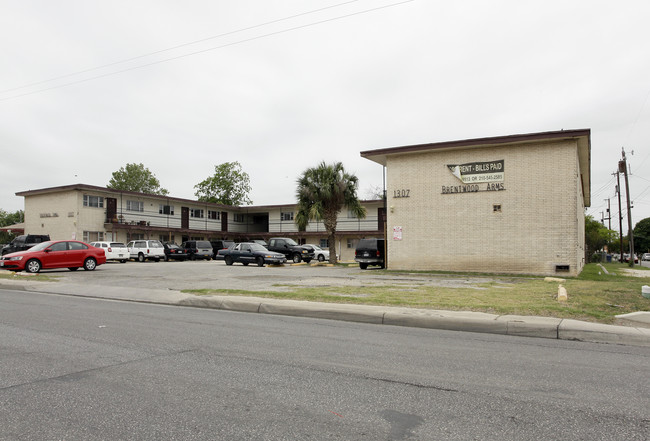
(162, 198)
(582, 136)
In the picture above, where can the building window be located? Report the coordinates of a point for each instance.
(135, 206)
(93, 236)
(166, 209)
(93, 201)
(134, 236)
(214, 215)
(166, 238)
(324, 244)
(238, 218)
(286, 216)
(196, 212)
(352, 243)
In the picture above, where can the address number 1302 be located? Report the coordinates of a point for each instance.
(401, 193)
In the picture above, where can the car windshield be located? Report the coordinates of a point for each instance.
(172, 246)
(291, 242)
(156, 244)
(258, 247)
(117, 244)
(41, 246)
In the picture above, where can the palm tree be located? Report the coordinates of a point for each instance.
(322, 192)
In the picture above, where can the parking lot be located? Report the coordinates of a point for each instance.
(217, 275)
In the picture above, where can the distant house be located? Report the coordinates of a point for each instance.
(91, 213)
(510, 204)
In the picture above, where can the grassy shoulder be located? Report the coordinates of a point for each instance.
(593, 296)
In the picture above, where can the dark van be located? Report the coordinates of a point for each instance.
(197, 249)
(370, 252)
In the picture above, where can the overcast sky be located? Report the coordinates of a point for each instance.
(280, 85)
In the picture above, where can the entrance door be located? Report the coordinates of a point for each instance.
(381, 215)
(185, 218)
(224, 221)
(111, 210)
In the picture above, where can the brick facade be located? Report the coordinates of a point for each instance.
(533, 225)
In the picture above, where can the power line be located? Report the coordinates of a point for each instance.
(246, 40)
(126, 60)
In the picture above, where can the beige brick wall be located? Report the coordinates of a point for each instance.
(538, 227)
(53, 214)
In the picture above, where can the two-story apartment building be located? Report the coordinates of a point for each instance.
(507, 204)
(92, 213)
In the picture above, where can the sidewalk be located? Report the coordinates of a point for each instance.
(638, 334)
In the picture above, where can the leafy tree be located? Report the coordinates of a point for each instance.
(138, 178)
(7, 219)
(642, 236)
(229, 185)
(597, 235)
(322, 192)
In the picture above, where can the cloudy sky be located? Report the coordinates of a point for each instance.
(280, 85)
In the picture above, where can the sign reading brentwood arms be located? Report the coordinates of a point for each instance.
(476, 176)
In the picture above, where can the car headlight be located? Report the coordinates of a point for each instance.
(14, 258)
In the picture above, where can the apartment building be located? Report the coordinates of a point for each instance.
(92, 213)
(510, 204)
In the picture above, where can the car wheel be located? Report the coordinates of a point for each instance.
(123, 261)
(228, 260)
(363, 265)
(140, 257)
(296, 258)
(157, 259)
(260, 261)
(166, 258)
(90, 264)
(245, 263)
(321, 258)
(33, 266)
(73, 268)
(192, 257)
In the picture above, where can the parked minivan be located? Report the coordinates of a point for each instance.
(370, 252)
(220, 245)
(197, 249)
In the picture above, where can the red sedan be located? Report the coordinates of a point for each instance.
(70, 254)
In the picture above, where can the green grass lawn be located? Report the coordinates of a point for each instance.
(593, 296)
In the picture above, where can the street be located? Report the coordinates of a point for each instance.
(78, 368)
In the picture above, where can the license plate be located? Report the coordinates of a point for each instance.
(2, 263)
(366, 254)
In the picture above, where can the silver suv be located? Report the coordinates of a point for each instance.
(146, 250)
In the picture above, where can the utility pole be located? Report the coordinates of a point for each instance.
(609, 215)
(620, 213)
(623, 165)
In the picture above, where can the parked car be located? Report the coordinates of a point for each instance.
(290, 249)
(142, 250)
(319, 254)
(626, 258)
(174, 252)
(646, 257)
(250, 252)
(220, 245)
(24, 242)
(113, 250)
(198, 249)
(70, 254)
(370, 252)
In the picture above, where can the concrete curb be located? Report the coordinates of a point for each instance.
(519, 326)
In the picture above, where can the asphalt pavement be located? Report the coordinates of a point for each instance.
(104, 284)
